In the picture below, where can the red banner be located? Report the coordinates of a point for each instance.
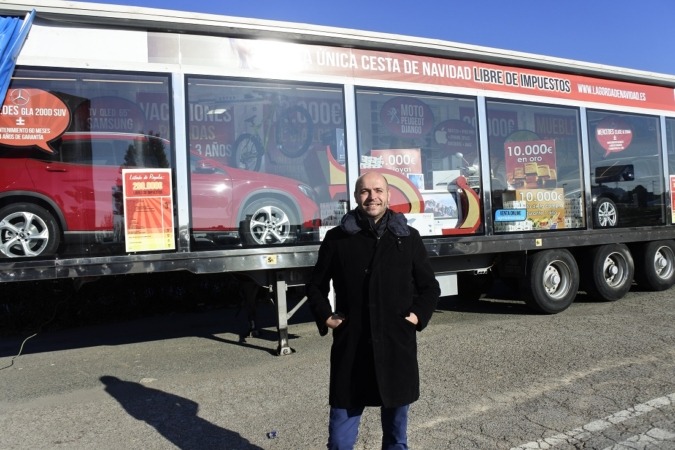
(32, 117)
(257, 55)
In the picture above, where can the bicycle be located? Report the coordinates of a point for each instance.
(293, 133)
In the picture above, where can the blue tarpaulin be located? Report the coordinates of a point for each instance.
(13, 32)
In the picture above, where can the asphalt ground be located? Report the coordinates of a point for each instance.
(494, 376)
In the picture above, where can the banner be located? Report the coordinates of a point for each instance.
(259, 56)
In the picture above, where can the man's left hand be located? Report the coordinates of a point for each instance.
(412, 318)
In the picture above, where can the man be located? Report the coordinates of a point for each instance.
(385, 291)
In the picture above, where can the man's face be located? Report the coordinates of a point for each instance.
(372, 195)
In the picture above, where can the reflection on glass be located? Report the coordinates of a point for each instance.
(670, 143)
(626, 182)
(427, 147)
(261, 160)
(76, 132)
(535, 167)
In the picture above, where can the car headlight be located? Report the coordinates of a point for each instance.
(308, 191)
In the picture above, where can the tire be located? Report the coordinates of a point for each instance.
(608, 272)
(28, 230)
(248, 152)
(656, 265)
(552, 281)
(268, 221)
(605, 214)
(294, 131)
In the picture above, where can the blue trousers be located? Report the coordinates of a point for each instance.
(343, 428)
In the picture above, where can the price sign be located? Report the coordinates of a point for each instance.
(402, 160)
(531, 164)
(148, 209)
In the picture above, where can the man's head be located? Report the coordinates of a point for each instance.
(372, 195)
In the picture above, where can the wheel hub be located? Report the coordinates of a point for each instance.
(661, 262)
(23, 234)
(551, 279)
(270, 225)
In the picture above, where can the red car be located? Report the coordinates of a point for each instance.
(73, 195)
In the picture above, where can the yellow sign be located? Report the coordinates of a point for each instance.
(545, 207)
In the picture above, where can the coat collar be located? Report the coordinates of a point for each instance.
(353, 222)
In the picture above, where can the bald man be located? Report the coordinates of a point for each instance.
(385, 293)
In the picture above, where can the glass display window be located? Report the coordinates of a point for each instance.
(626, 168)
(66, 140)
(261, 155)
(426, 145)
(535, 167)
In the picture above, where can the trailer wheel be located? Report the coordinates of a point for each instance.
(656, 262)
(552, 281)
(28, 230)
(605, 214)
(608, 273)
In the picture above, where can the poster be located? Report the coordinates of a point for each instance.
(531, 164)
(545, 208)
(148, 209)
(531, 170)
(401, 160)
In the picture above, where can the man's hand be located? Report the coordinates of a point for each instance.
(334, 321)
(412, 318)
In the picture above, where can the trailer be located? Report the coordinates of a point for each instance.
(136, 140)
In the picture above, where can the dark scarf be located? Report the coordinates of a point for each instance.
(354, 221)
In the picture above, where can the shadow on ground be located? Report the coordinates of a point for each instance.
(124, 309)
(502, 298)
(174, 417)
(117, 310)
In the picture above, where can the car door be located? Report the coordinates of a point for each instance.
(211, 195)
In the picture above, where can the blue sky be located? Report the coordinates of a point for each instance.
(634, 34)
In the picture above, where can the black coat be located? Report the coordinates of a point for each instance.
(377, 283)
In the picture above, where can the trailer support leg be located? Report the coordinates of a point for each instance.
(280, 288)
(282, 314)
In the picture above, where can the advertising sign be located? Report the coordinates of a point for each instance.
(531, 164)
(552, 126)
(531, 169)
(401, 160)
(613, 134)
(148, 209)
(109, 113)
(286, 57)
(456, 136)
(545, 208)
(407, 117)
(32, 117)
